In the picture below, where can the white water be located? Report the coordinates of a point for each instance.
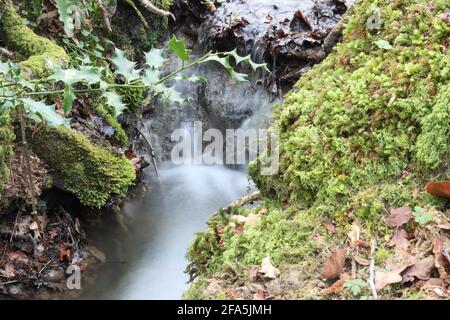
(148, 262)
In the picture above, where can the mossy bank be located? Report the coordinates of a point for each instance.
(360, 133)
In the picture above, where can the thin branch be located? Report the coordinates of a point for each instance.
(105, 14)
(139, 13)
(147, 4)
(371, 280)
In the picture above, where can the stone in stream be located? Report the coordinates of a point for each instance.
(288, 35)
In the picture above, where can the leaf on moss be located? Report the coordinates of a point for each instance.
(334, 265)
(268, 270)
(40, 112)
(383, 44)
(399, 217)
(439, 189)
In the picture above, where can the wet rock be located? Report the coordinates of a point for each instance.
(286, 34)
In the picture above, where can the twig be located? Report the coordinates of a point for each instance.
(46, 265)
(8, 282)
(139, 13)
(252, 197)
(371, 280)
(26, 151)
(105, 14)
(152, 151)
(147, 4)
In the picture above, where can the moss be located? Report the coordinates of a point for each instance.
(25, 41)
(6, 148)
(365, 128)
(360, 133)
(92, 173)
(132, 97)
(129, 33)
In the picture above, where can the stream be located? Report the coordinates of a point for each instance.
(146, 244)
(145, 252)
(147, 261)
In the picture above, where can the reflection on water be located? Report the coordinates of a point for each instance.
(146, 253)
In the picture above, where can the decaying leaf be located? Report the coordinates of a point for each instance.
(329, 226)
(337, 286)
(421, 270)
(395, 265)
(259, 295)
(361, 261)
(439, 189)
(399, 216)
(334, 265)
(268, 270)
(400, 240)
(383, 279)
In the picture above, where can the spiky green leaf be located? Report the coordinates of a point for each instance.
(179, 48)
(154, 58)
(39, 111)
(124, 66)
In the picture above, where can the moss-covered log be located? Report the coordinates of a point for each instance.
(92, 173)
(25, 41)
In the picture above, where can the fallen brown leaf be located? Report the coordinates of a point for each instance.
(421, 270)
(259, 295)
(334, 265)
(362, 261)
(399, 217)
(359, 243)
(439, 189)
(400, 240)
(338, 286)
(396, 264)
(329, 226)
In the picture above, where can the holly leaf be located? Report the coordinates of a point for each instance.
(179, 48)
(124, 66)
(67, 76)
(69, 98)
(150, 77)
(40, 112)
(172, 95)
(422, 217)
(239, 77)
(69, 10)
(383, 44)
(154, 58)
(224, 61)
(115, 101)
(4, 68)
(247, 59)
(91, 75)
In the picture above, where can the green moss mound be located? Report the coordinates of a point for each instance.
(360, 133)
(25, 41)
(371, 123)
(92, 173)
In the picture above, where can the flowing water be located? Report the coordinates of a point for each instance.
(146, 258)
(146, 250)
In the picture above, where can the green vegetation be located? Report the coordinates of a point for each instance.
(360, 133)
(90, 172)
